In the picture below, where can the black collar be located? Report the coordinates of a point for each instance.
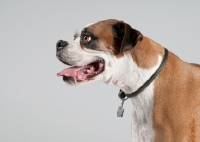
(123, 96)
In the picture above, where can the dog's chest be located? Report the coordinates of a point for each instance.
(129, 80)
(142, 106)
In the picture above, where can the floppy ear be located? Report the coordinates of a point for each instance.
(127, 36)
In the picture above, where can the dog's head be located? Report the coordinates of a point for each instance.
(95, 51)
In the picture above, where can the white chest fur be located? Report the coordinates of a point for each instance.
(129, 79)
(142, 105)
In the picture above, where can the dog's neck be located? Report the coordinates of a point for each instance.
(137, 66)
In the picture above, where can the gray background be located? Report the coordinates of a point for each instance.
(35, 105)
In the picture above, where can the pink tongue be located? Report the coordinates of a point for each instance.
(78, 73)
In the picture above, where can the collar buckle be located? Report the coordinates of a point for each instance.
(122, 95)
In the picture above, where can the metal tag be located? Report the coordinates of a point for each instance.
(120, 111)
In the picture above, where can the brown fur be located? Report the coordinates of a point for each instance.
(144, 53)
(176, 114)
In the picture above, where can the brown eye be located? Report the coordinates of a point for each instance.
(86, 38)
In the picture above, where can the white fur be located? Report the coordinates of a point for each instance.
(129, 78)
(124, 73)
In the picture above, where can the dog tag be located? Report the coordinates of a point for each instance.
(120, 111)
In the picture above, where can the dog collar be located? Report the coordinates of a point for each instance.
(123, 96)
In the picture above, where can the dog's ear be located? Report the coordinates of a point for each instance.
(126, 36)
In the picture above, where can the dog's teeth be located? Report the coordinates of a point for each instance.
(92, 68)
(88, 71)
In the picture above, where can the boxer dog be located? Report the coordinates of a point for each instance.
(163, 89)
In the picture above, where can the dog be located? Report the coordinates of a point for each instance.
(164, 90)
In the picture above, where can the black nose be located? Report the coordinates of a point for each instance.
(60, 44)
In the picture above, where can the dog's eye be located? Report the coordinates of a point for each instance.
(86, 38)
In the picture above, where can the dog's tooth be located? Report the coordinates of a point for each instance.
(91, 68)
(88, 71)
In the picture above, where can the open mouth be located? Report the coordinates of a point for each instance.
(82, 73)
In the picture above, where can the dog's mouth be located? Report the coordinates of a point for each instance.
(82, 73)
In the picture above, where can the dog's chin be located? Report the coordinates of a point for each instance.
(78, 75)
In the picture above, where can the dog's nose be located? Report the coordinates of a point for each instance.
(60, 44)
